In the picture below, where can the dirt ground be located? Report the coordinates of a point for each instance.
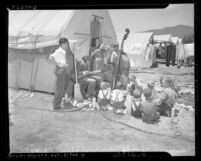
(37, 130)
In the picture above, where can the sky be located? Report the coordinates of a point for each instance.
(138, 20)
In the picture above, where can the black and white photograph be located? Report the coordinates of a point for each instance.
(102, 80)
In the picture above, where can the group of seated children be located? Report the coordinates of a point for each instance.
(145, 103)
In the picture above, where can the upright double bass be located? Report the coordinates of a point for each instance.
(119, 58)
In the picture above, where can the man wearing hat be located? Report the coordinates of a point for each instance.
(167, 98)
(148, 107)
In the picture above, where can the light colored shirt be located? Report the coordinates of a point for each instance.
(168, 96)
(59, 56)
(106, 93)
(117, 95)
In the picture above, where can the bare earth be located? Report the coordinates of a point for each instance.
(36, 130)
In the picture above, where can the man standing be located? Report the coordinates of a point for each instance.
(63, 59)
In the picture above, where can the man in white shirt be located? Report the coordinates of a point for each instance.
(63, 59)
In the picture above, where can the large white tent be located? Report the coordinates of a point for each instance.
(189, 49)
(135, 46)
(33, 35)
(160, 38)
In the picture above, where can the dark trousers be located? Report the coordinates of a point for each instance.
(168, 55)
(63, 86)
(164, 109)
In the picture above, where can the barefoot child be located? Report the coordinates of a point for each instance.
(118, 98)
(148, 107)
(136, 104)
(167, 98)
(151, 86)
(104, 95)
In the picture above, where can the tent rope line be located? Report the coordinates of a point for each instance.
(109, 119)
(138, 129)
(32, 83)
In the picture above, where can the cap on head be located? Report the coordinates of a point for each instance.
(119, 85)
(147, 93)
(137, 93)
(63, 40)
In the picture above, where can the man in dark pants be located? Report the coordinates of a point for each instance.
(64, 67)
(171, 54)
(168, 54)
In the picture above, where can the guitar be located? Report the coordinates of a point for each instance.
(88, 74)
(119, 57)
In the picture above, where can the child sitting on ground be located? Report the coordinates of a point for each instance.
(167, 98)
(118, 98)
(148, 108)
(133, 85)
(104, 95)
(151, 86)
(136, 104)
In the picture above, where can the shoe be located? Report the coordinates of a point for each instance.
(57, 108)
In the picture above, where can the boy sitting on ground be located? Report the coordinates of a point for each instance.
(151, 86)
(167, 98)
(148, 108)
(136, 104)
(133, 85)
(104, 95)
(118, 98)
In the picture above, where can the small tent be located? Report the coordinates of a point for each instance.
(159, 38)
(135, 46)
(189, 49)
(34, 35)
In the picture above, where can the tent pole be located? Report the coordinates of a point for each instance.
(30, 84)
(36, 72)
(16, 65)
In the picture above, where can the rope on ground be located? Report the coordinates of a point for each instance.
(58, 111)
(138, 129)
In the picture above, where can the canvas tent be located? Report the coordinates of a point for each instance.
(135, 46)
(159, 38)
(189, 49)
(33, 35)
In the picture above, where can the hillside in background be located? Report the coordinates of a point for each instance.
(178, 30)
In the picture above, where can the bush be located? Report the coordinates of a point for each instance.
(189, 38)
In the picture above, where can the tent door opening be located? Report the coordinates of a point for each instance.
(96, 27)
